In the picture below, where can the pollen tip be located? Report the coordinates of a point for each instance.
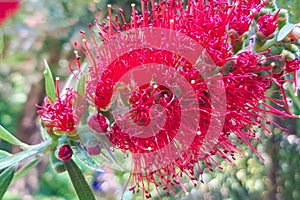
(296, 94)
(133, 5)
(273, 64)
(193, 81)
(171, 21)
(108, 5)
(186, 193)
(84, 41)
(57, 78)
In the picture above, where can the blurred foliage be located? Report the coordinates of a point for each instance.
(293, 6)
(61, 189)
(46, 29)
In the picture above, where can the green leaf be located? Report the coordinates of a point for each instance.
(82, 188)
(21, 172)
(285, 31)
(81, 85)
(49, 82)
(4, 154)
(5, 179)
(1, 45)
(7, 136)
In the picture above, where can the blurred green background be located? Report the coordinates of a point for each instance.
(46, 30)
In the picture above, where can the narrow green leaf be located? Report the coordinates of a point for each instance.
(49, 82)
(110, 157)
(7, 136)
(82, 188)
(5, 179)
(23, 155)
(15, 159)
(1, 45)
(81, 85)
(4, 154)
(21, 172)
(284, 31)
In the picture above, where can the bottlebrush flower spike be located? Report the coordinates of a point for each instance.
(61, 116)
(246, 78)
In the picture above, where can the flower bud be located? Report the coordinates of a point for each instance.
(98, 123)
(65, 152)
(93, 151)
(275, 50)
(289, 56)
(293, 48)
(267, 24)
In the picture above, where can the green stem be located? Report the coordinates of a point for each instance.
(263, 46)
(296, 100)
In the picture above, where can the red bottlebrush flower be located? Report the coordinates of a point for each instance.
(267, 24)
(62, 115)
(65, 152)
(8, 8)
(153, 112)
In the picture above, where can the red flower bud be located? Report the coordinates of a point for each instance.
(267, 24)
(65, 152)
(93, 151)
(98, 123)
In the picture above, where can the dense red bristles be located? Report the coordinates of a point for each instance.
(246, 76)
